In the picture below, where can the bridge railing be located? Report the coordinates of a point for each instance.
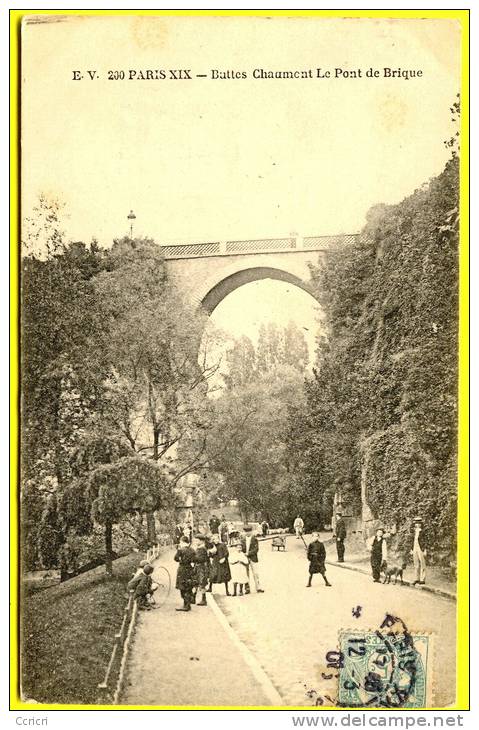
(264, 245)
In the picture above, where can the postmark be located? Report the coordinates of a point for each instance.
(388, 667)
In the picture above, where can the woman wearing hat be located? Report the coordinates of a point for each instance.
(219, 567)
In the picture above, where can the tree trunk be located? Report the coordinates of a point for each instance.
(150, 516)
(156, 442)
(150, 528)
(108, 548)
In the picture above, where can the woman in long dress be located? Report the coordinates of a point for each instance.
(219, 565)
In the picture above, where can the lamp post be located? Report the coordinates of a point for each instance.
(131, 217)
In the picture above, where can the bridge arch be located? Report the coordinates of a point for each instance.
(213, 294)
(205, 273)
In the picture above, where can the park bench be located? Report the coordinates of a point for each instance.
(278, 542)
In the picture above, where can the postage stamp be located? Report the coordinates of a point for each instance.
(384, 668)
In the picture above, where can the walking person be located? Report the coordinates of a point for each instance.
(185, 577)
(250, 547)
(202, 568)
(214, 524)
(219, 566)
(178, 533)
(223, 531)
(264, 528)
(317, 558)
(419, 551)
(340, 535)
(379, 553)
(239, 569)
(298, 525)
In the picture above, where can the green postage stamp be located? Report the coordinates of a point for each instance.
(384, 669)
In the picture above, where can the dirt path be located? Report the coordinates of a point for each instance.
(289, 628)
(187, 659)
(190, 659)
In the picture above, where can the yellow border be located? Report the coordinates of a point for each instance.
(462, 16)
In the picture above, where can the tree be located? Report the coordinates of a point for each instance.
(247, 444)
(154, 398)
(109, 372)
(241, 363)
(130, 485)
(58, 317)
(50, 534)
(381, 408)
(295, 347)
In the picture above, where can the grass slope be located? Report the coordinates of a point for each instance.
(68, 633)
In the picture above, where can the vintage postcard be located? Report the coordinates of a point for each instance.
(242, 479)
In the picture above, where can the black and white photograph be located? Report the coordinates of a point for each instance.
(239, 361)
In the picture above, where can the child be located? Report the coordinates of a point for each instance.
(202, 567)
(185, 578)
(238, 564)
(144, 590)
(317, 557)
(136, 577)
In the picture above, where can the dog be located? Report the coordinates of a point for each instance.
(395, 571)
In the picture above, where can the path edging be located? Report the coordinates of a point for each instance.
(260, 675)
(427, 589)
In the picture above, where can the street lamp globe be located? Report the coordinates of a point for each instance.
(131, 217)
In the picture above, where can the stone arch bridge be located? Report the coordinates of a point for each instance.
(208, 272)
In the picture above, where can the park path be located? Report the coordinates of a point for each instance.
(290, 628)
(358, 558)
(187, 658)
(287, 630)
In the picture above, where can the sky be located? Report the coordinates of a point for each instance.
(244, 311)
(231, 159)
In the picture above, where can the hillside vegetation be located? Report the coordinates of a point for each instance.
(381, 415)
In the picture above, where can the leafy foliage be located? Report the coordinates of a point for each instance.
(382, 405)
(247, 445)
(111, 386)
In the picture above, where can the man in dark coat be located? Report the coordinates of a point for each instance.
(250, 546)
(185, 577)
(378, 549)
(340, 534)
(219, 566)
(214, 524)
(202, 568)
(317, 558)
(223, 531)
(178, 533)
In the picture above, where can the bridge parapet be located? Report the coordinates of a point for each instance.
(265, 245)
